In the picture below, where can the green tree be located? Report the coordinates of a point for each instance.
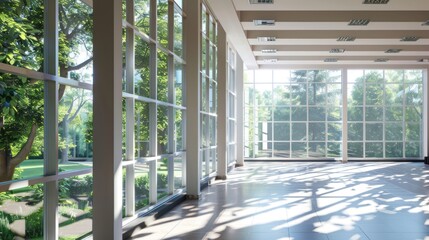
(21, 24)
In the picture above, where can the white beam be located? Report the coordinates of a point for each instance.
(222, 117)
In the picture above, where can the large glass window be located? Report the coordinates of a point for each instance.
(298, 114)
(208, 93)
(153, 116)
(385, 113)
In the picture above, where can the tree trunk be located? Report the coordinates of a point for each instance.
(6, 168)
(65, 150)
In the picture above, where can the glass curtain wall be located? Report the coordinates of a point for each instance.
(208, 93)
(298, 114)
(153, 113)
(154, 107)
(385, 113)
(24, 165)
(231, 112)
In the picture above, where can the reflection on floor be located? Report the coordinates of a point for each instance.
(310, 201)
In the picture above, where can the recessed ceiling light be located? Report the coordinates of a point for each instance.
(393, 50)
(271, 60)
(269, 50)
(381, 60)
(409, 39)
(424, 60)
(375, 1)
(264, 22)
(359, 22)
(331, 60)
(346, 39)
(261, 1)
(337, 50)
(266, 39)
(426, 23)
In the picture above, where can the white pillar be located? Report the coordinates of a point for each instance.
(153, 108)
(50, 198)
(222, 114)
(425, 119)
(240, 110)
(192, 40)
(344, 152)
(107, 171)
(130, 114)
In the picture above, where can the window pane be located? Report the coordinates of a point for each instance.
(316, 149)
(394, 131)
(141, 185)
(22, 109)
(178, 33)
(299, 131)
(334, 131)
(374, 114)
(316, 131)
(412, 131)
(75, 206)
(412, 149)
(22, 213)
(265, 132)
(75, 129)
(162, 76)
(162, 22)
(162, 181)
(374, 131)
(282, 149)
(281, 114)
(299, 114)
(281, 95)
(142, 70)
(334, 149)
(299, 150)
(142, 129)
(178, 83)
(162, 127)
(374, 94)
(374, 150)
(355, 131)
(316, 114)
(142, 15)
(264, 150)
(394, 149)
(282, 132)
(355, 149)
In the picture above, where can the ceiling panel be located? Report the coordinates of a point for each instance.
(305, 32)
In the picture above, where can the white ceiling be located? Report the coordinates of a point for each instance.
(306, 31)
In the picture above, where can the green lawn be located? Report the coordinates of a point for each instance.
(34, 167)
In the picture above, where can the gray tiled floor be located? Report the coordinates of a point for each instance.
(309, 201)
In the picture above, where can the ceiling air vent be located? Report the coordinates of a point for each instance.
(337, 50)
(426, 23)
(381, 60)
(425, 60)
(375, 1)
(359, 22)
(393, 50)
(346, 39)
(264, 22)
(331, 60)
(261, 1)
(269, 50)
(266, 39)
(270, 60)
(409, 39)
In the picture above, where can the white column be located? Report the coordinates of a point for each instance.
(192, 39)
(171, 99)
(425, 119)
(240, 110)
(50, 198)
(344, 157)
(153, 117)
(107, 220)
(222, 106)
(130, 114)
